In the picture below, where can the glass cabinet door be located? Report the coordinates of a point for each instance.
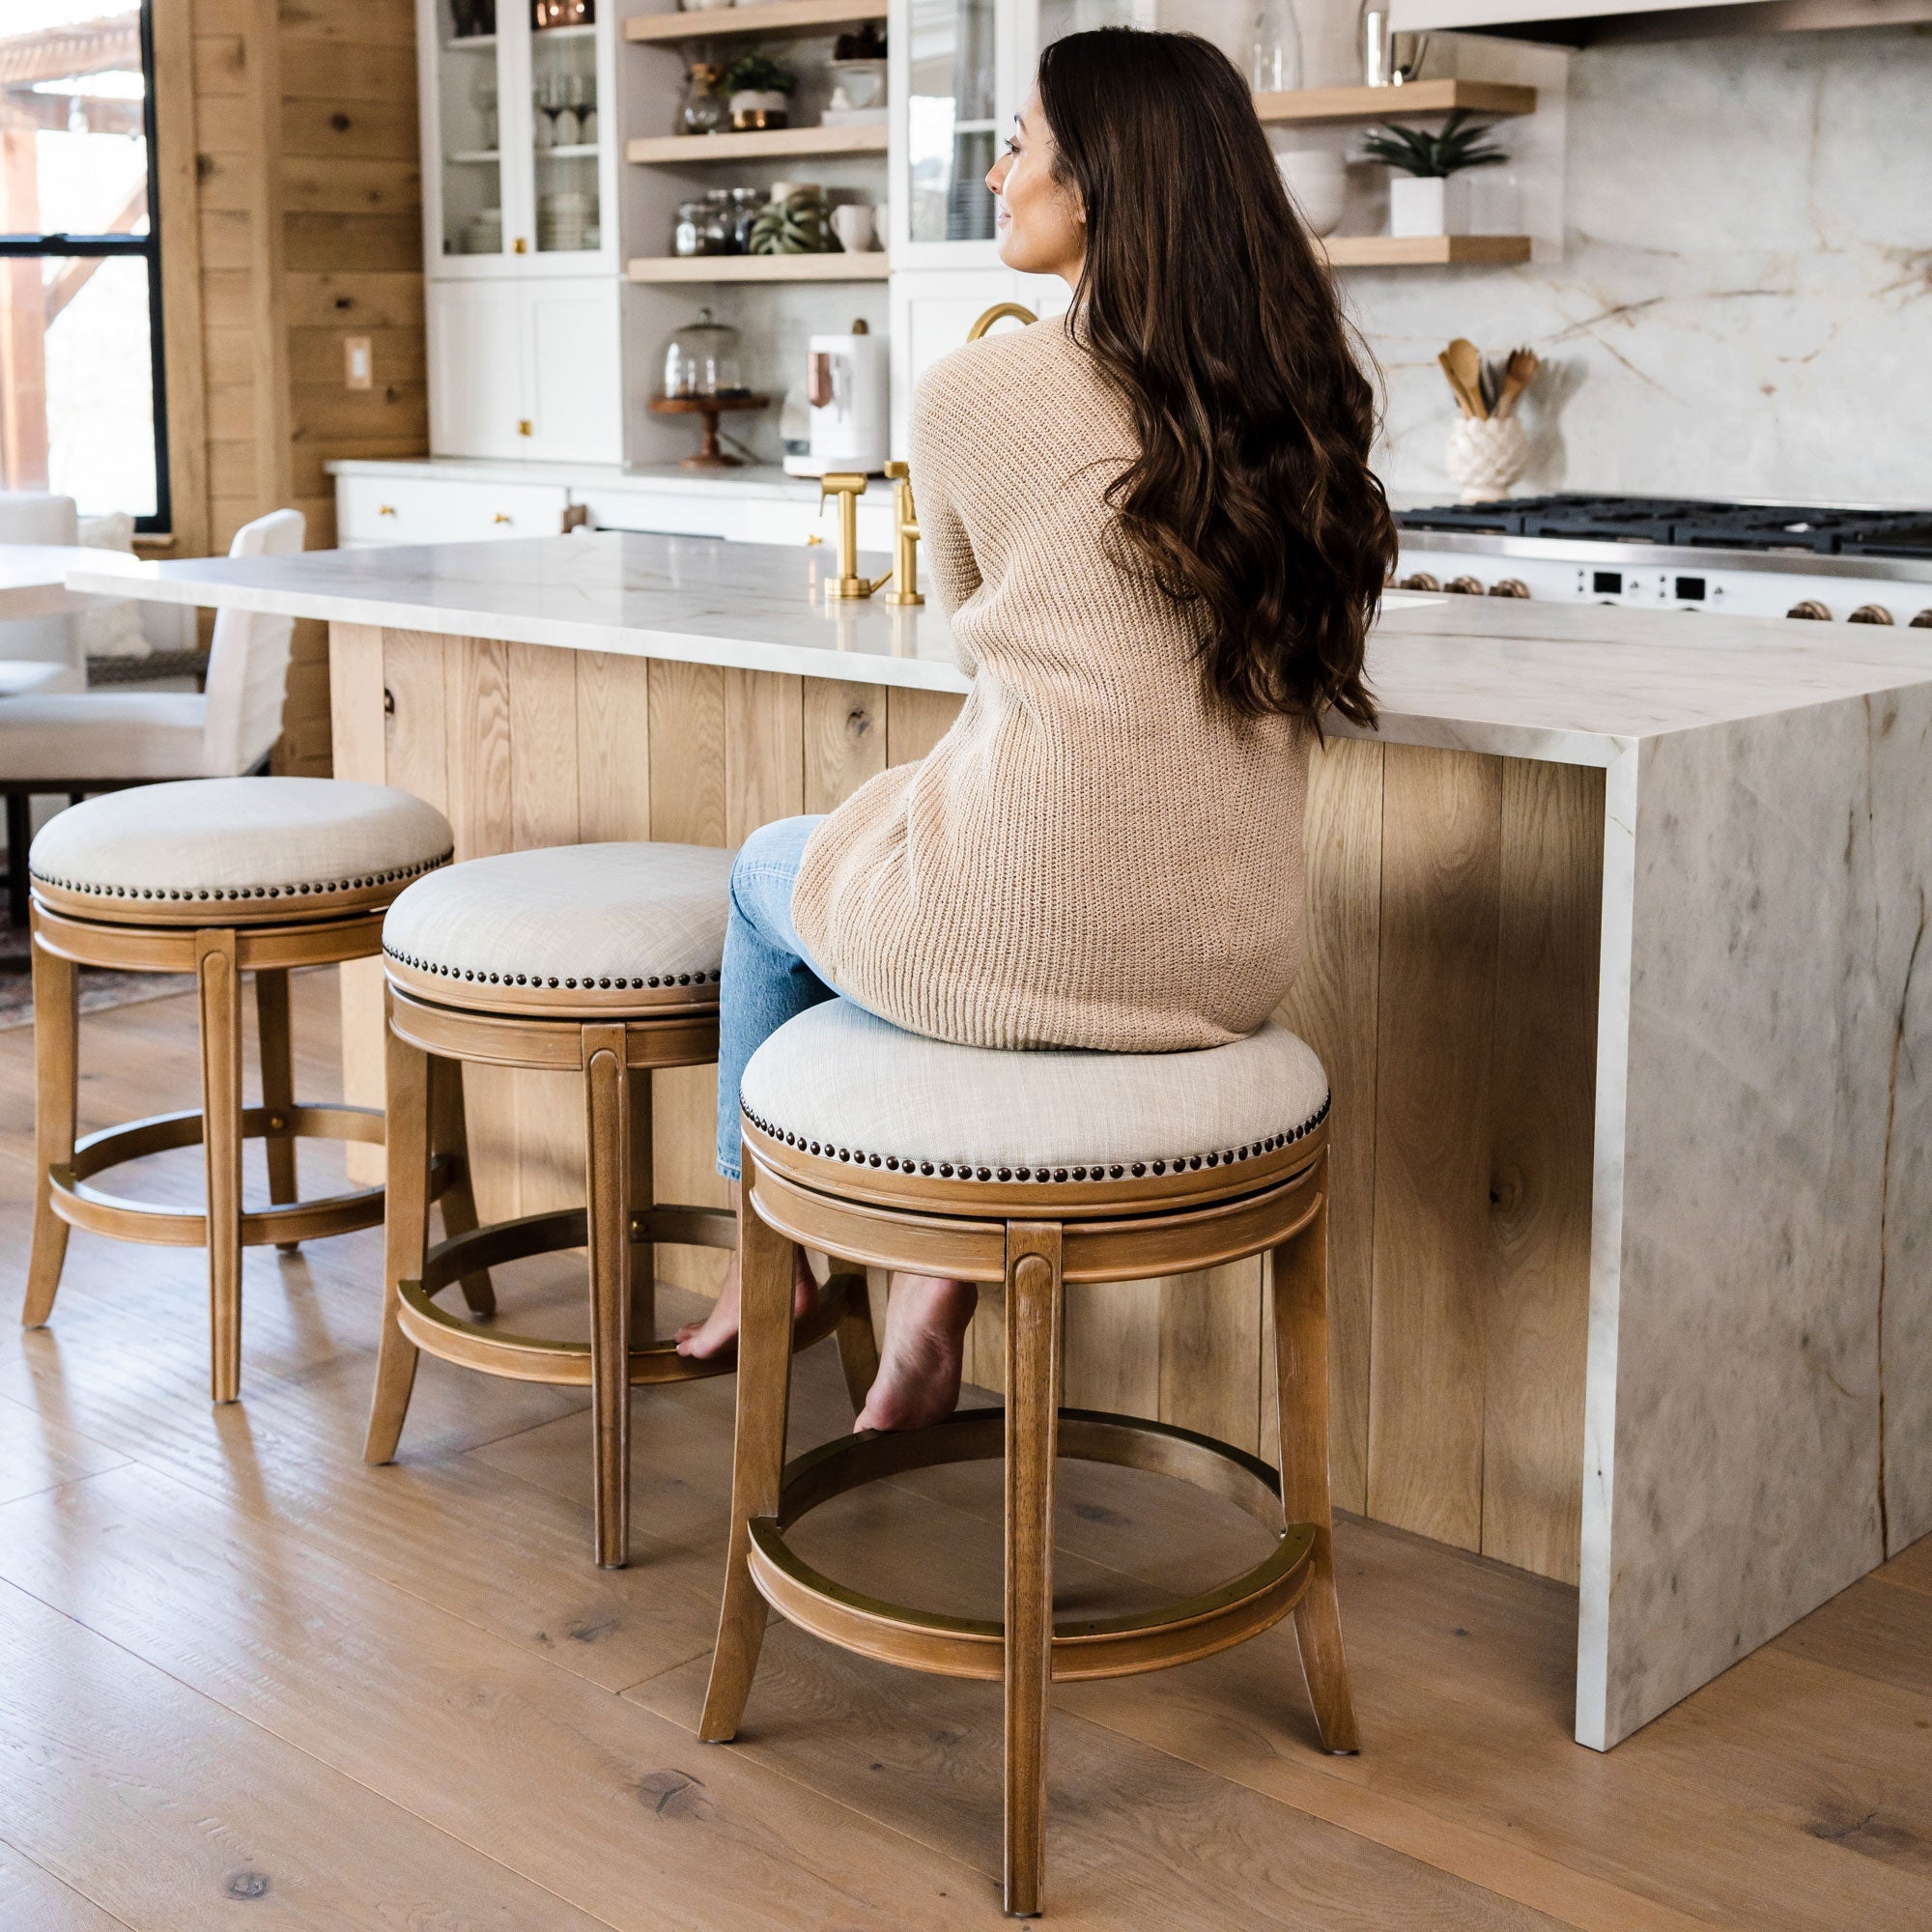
(564, 120)
(469, 121)
(951, 124)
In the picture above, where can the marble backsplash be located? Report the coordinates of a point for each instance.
(1744, 302)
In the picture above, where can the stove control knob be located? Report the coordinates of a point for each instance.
(1870, 613)
(1465, 587)
(1812, 609)
(1420, 580)
(1509, 586)
(1921, 622)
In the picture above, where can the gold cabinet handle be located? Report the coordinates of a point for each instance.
(499, 518)
(523, 427)
(520, 247)
(386, 509)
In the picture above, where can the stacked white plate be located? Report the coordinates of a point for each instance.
(564, 220)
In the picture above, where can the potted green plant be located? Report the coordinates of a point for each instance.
(758, 88)
(1427, 194)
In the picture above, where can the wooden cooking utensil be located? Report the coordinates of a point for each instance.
(1519, 373)
(1463, 361)
(1456, 389)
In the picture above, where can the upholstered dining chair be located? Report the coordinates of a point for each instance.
(94, 741)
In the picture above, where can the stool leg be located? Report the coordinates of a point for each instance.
(216, 973)
(642, 1265)
(858, 1339)
(607, 1096)
(758, 1463)
(405, 1226)
(278, 1083)
(1033, 1427)
(1300, 1272)
(56, 1074)
(449, 1134)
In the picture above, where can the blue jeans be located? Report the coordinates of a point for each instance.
(769, 977)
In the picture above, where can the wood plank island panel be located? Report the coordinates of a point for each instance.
(1447, 980)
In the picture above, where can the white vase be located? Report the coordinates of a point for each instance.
(1317, 181)
(1486, 455)
(1429, 204)
(758, 107)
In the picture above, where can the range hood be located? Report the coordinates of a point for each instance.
(1583, 23)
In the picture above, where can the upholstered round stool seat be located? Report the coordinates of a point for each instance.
(626, 926)
(837, 1085)
(235, 852)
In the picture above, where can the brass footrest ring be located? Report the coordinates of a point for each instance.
(947, 1646)
(101, 1214)
(537, 1358)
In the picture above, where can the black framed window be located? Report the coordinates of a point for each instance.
(83, 408)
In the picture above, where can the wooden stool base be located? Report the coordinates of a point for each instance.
(613, 1055)
(1157, 1225)
(254, 938)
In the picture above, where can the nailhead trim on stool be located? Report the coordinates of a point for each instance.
(537, 979)
(366, 883)
(948, 1169)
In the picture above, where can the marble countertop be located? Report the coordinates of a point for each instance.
(1574, 683)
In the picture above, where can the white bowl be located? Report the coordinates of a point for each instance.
(1318, 183)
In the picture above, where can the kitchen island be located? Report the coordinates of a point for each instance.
(1615, 951)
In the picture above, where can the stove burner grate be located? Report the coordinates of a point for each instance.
(1687, 523)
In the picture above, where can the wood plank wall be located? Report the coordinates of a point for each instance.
(308, 227)
(1448, 981)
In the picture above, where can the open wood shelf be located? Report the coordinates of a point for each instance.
(1423, 251)
(699, 150)
(770, 20)
(869, 268)
(1341, 105)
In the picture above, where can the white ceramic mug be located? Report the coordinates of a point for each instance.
(852, 224)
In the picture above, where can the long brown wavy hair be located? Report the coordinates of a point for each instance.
(1251, 502)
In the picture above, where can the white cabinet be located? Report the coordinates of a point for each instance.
(573, 379)
(524, 369)
(510, 181)
(476, 405)
(380, 509)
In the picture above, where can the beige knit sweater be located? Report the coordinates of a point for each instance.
(1098, 854)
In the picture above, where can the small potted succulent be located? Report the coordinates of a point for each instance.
(758, 88)
(1427, 195)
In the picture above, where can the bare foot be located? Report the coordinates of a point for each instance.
(718, 1331)
(919, 1367)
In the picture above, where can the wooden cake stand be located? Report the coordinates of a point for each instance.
(710, 456)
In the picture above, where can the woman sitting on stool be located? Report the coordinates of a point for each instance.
(1154, 524)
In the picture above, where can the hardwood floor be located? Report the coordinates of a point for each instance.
(238, 1666)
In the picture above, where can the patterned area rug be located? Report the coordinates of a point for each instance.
(97, 987)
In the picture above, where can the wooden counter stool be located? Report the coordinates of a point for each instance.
(1035, 1169)
(217, 877)
(602, 961)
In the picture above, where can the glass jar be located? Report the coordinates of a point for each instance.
(704, 226)
(745, 204)
(702, 359)
(1274, 48)
(702, 109)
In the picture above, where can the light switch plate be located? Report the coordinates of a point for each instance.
(357, 363)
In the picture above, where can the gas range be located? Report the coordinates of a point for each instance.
(1829, 564)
